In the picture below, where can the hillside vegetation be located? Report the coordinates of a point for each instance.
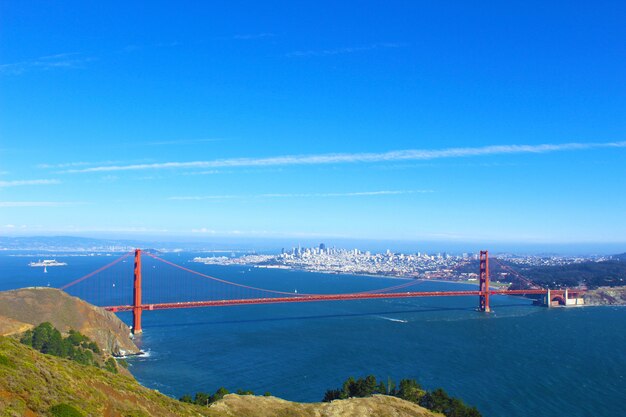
(36, 384)
(590, 274)
(28, 307)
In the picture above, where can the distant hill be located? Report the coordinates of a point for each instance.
(620, 257)
(85, 244)
(591, 274)
(64, 243)
(28, 307)
(34, 384)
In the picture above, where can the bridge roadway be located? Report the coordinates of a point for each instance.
(320, 297)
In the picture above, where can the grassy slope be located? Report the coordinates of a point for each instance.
(36, 305)
(31, 382)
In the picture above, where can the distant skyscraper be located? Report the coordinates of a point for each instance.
(322, 247)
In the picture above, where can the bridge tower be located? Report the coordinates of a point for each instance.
(137, 294)
(483, 303)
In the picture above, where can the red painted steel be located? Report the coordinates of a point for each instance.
(321, 297)
(483, 297)
(137, 306)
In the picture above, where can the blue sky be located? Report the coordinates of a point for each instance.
(460, 121)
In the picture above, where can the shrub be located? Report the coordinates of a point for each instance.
(110, 365)
(65, 410)
(4, 361)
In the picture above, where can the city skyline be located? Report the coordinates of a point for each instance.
(413, 122)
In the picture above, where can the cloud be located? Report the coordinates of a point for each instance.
(18, 183)
(353, 158)
(208, 197)
(266, 233)
(76, 164)
(49, 62)
(37, 204)
(304, 195)
(345, 50)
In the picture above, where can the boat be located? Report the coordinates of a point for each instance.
(47, 262)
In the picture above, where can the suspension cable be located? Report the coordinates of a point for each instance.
(517, 274)
(412, 282)
(89, 275)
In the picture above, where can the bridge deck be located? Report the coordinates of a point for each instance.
(320, 297)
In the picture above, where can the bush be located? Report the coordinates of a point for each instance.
(409, 390)
(203, 398)
(110, 365)
(4, 361)
(65, 410)
(46, 339)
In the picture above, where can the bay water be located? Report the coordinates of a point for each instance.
(521, 360)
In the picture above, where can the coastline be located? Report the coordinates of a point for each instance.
(370, 275)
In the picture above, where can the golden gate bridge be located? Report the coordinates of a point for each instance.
(111, 292)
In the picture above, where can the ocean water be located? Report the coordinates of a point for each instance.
(521, 360)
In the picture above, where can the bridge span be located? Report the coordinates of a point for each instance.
(484, 292)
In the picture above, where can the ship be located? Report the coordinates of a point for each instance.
(47, 262)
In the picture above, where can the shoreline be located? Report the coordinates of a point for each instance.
(356, 274)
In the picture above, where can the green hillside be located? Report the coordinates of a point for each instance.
(36, 384)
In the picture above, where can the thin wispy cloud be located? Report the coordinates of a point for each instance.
(304, 195)
(17, 183)
(75, 164)
(44, 63)
(266, 233)
(345, 50)
(355, 158)
(38, 204)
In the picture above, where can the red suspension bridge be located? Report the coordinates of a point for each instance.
(112, 292)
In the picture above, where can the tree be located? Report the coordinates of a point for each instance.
(349, 388)
(27, 338)
(244, 392)
(202, 398)
(410, 390)
(369, 385)
(436, 400)
(76, 338)
(186, 399)
(381, 389)
(331, 395)
(219, 394)
(54, 343)
(93, 347)
(41, 334)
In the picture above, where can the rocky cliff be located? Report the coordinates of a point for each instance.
(606, 296)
